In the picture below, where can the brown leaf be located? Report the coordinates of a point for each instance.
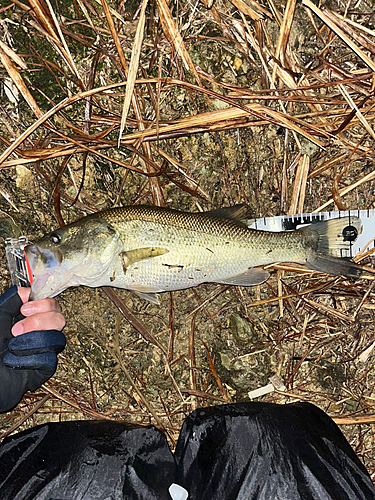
(174, 36)
(18, 81)
(16, 58)
(324, 16)
(133, 67)
(246, 9)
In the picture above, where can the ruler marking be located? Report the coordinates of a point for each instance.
(291, 222)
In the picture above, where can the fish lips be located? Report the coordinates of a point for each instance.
(52, 274)
(36, 255)
(46, 269)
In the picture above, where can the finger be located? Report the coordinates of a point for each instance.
(42, 321)
(40, 307)
(24, 293)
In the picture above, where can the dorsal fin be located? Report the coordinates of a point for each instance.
(238, 213)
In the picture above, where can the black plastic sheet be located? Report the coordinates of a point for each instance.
(86, 461)
(266, 451)
(252, 451)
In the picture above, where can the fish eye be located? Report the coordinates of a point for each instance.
(55, 238)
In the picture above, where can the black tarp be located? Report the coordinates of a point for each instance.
(86, 461)
(252, 451)
(266, 451)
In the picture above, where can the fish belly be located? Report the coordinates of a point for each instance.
(175, 270)
(192, 258)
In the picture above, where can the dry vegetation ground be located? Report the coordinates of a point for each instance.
(226, 102)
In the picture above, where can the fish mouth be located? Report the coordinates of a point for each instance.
(52, 274)
(35, 254)
(31, 254)
(45, 266)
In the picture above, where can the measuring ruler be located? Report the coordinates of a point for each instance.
(362, 242)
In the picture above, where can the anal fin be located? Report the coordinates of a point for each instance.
(253, 276)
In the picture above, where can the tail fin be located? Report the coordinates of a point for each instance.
(335, 237)
(335, 266)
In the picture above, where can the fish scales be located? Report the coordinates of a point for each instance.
(151, 249)
(201, 247)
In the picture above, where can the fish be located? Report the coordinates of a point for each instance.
(148, 250)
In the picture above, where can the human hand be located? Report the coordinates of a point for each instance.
(30, 339)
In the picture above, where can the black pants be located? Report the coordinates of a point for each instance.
(250, 451)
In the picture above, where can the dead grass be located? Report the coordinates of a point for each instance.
(195, 105)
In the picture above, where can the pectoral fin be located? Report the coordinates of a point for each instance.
(131, 256)
(151, 297)
(251, 277)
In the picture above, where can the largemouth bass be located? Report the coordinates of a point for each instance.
(150, 249)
